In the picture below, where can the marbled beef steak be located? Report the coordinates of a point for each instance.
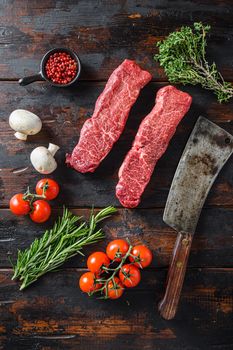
(112, 108)
(151, 141)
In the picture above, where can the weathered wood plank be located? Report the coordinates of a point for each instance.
(55, 314)
(105, 33)
(64, 111)
(212, 245)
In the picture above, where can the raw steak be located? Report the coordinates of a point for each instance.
(112, 108)
(151, 141)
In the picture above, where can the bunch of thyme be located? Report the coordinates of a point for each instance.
(183, 56)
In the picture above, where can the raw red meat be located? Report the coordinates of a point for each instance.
(151, 141)
(112, 108)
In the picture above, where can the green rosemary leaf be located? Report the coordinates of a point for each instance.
(63, 241)
(183, 56)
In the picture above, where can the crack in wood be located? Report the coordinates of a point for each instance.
(3, 240)
(55, 337)
(19, 170)
(4, 302)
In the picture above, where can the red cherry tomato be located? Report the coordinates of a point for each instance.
(130, 275)
(117, 249)
(96, 261)
(87, 282)
(41, 211)
(18, 205)
(51, 188)
(114, 290)
(142, 256)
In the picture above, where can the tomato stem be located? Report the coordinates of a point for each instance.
(31, 197)
(104, 288)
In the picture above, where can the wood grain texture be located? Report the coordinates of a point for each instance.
(57, 315)
(175, 278)
(63, 112)
(53, 314)
(105, 32)
(212, 244)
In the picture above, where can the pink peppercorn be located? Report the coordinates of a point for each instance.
(61, 68)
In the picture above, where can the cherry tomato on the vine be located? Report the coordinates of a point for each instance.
(87, 282)
(117, 249)
(41, 211)
(18, 205)
(130, 275)
(96, 261)
(51, 188)
(114, 290)
(142, 256)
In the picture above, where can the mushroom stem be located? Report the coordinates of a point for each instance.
(53, 148)
(20, 136)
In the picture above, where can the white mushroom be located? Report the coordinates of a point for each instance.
(42, 158)
(24, 123)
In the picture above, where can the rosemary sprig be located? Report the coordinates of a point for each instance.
(183, 56)
(64, 240)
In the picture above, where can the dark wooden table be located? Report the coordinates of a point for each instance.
(53, 313)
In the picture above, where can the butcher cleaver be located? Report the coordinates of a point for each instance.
(206, 151)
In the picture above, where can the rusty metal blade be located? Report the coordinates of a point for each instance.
(206, 151)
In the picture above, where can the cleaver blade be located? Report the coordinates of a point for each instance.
(205, 153)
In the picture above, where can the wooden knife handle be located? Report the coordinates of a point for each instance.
(176, 274)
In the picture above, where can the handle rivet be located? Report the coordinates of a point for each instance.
(185, 242)
(179, 264)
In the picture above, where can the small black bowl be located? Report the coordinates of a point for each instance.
(42, 73)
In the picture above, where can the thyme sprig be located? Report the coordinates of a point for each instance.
(63, 241)
(183, 56)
